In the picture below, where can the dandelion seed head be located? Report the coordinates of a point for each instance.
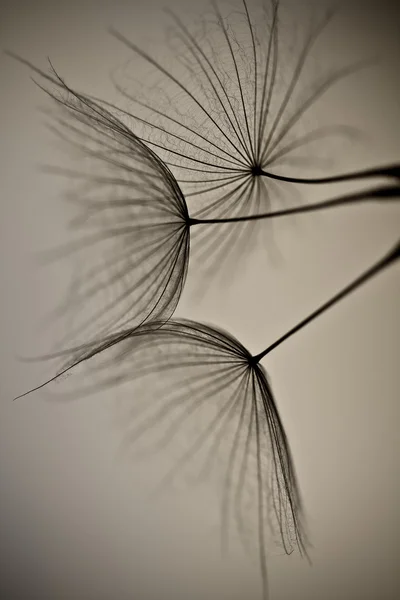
(194, 393)
(230, 97)
(131, 228)
(230, 100)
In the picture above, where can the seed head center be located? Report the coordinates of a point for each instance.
(256, 170)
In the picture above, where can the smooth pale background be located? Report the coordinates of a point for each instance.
(73, 521)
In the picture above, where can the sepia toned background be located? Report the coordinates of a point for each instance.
(75, 521)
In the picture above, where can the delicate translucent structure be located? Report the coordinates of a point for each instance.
(234, 136)
(132, 231)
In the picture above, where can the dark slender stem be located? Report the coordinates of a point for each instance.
(392, 171)
(380, 193)
(386, 261)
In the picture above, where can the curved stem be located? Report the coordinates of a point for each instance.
(376, 194)
(392, 171)
(384, 262)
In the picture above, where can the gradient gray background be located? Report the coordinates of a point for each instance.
(73, 520)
